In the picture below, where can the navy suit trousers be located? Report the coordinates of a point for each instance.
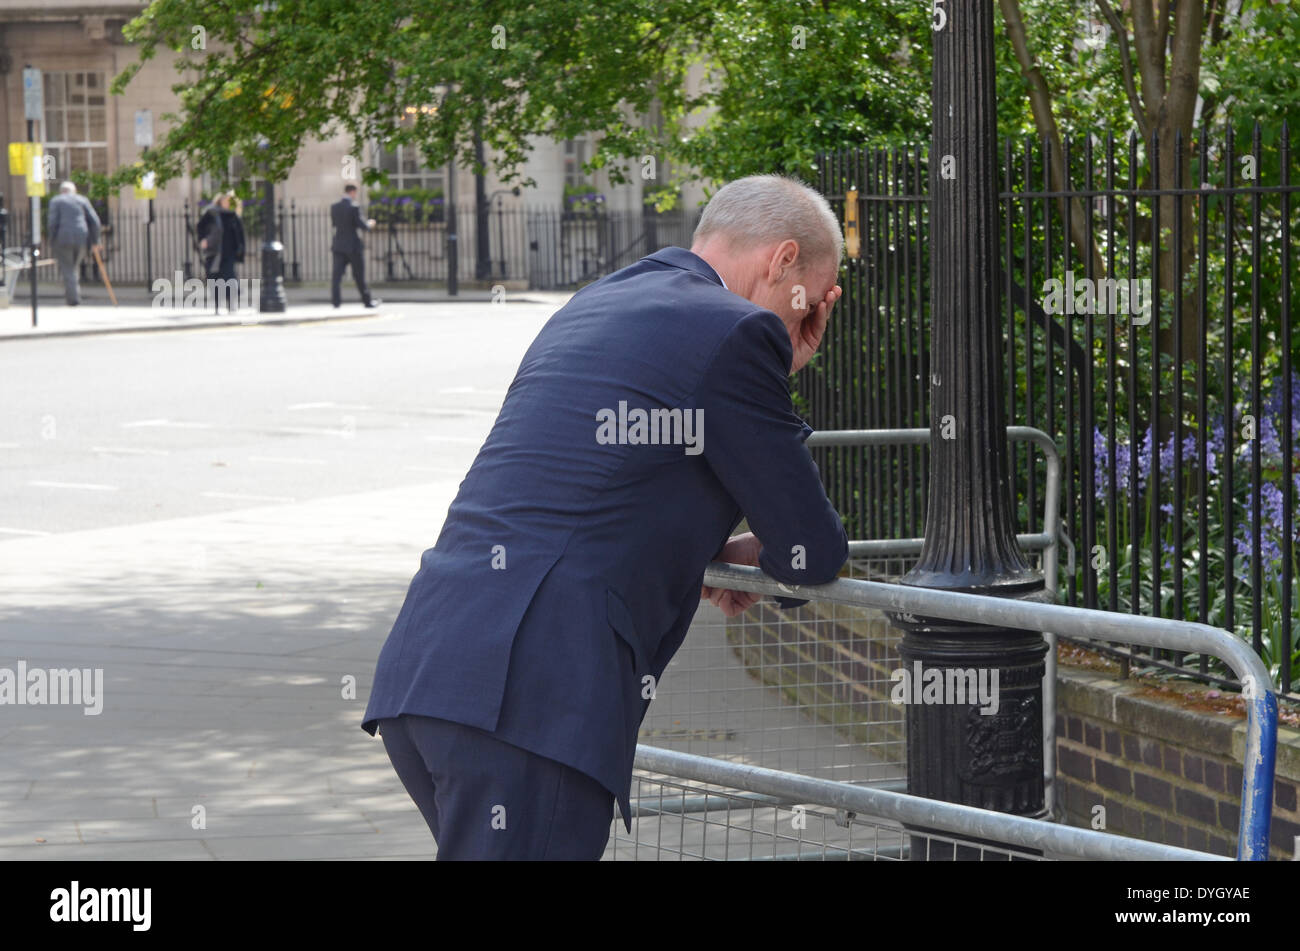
(486, 799)
(355, 260)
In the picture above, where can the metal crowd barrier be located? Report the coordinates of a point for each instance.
(1046, 542)
(748, 812)
(763, 792)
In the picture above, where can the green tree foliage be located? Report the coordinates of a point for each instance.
(733, 86)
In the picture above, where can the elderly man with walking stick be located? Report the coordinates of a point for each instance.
(74, 229)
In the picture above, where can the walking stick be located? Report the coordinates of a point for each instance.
(94, 249)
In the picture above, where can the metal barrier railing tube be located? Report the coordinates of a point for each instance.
(1046, 541)
(1186, 636)
(968, 822)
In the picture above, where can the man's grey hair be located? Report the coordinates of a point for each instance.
(763, 209)
(68, 188)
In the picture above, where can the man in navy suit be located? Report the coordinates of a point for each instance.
(347, 248)
(651, 414)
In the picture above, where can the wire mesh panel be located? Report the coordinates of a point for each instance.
(674, 820)
(804, 690)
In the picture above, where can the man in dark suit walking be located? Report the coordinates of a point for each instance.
(347, 246)
(651, 414)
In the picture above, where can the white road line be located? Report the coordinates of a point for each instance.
(75, 485)
(131, 451)
(247, 498)
(329, 405)
(471, 389)
(317, 431)
(21, 531)
(169, 423)
(288, 459)
(463, 411)
(445, 469)
(10, 445)
(462, 439)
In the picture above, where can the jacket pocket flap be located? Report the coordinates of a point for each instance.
(620, 619)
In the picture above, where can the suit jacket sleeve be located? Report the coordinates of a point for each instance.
(358, 220)
(754, 443)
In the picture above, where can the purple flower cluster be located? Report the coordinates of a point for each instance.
(1271, 495)
(1270, 439)
(1124, 459)
(1270, 510)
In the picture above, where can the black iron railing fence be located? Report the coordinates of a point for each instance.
(1167, 377)
(549, 248)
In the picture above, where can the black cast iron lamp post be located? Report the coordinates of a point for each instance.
(961, 748)
(272, 300)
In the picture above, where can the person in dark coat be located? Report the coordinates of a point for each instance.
(347, 247)
(221, 240)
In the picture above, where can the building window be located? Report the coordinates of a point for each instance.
(406, 169)
(76, 122)
(237, 171)
(576, 153)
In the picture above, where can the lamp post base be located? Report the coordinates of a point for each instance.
(272, 300)
(974, 718)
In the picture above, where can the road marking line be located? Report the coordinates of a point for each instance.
(330, 405)
(462, 439)
(434, 469)
(317, 431)
(130, 450)
(174, 424)
(247, 498)
(10, 445)
(288, 459)
(75, 485)
(22, 531)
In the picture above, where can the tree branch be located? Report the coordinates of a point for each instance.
(1126, 64)
(1148, 58)
(1040, 101)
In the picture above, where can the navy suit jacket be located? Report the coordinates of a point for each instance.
(346, 217)
(569, 566)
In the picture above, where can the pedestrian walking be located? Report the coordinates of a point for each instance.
(511, 688)
(221, 241)
(74, 227)
(347, 246)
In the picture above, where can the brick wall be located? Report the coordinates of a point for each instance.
(1161, 772)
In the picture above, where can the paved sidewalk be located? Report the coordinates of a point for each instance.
(227, 644)
(63, 321)
(136, 313)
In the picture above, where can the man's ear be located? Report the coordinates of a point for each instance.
(783, 259)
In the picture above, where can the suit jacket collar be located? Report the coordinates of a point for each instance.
(687, 261)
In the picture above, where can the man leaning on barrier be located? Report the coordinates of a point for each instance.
(651, 414)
